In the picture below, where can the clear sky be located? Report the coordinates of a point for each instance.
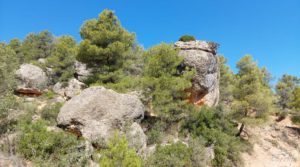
(269, 30)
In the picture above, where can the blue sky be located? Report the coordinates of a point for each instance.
(269, 30)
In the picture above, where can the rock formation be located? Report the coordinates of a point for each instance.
(201, 56)
(97, 112)
(74, 88)
(31, 80)
(81, 71)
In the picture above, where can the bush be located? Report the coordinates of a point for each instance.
(296, 118)
(187, 38)
(218, 131)
(47, 148)
(50, 113)
(177, 154)
(119, 154)
(7, 103)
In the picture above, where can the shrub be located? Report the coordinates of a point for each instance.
(7, 103)
(187, 38)
(219, 132)
(48, 148)
(119, 154)
(50, 113)
(296, 118)
(177, 154)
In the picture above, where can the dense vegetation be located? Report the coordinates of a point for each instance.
(118, 62)
(187, 38)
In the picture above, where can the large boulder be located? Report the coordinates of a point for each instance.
(31, 80)
(96, 113)
(201, 56)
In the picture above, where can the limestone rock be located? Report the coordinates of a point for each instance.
(74, 88)
(81, 71)
(97, 112)
(201, 56)
(137, 138)
(31, 79)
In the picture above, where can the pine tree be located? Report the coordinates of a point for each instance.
(284, 89)
(103, 47)
(163, 83)
(62, 58)
(253, 98)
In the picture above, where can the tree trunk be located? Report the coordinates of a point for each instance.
(241, 130)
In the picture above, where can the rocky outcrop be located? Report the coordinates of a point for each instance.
(81, 71)
(73, 88)
(137, 138)
(31, 80)
(201, 56)
(98, 112)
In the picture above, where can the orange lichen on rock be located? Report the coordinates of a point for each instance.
(196, 98)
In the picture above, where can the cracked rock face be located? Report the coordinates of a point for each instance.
(201, 56)
(97, 112)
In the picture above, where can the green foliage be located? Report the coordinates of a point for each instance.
(295, 102)
(177, 154)
(155, 132)
(163, 83)
(103, 48)
(49, 94)
(16, 45)
(216, 128)
(187, 38)
(8, 66)
(7, 103)
(62, 58)
(253, 98)
(227, 82)
(50, 112)
(37, 46)
(284, 90)
(119, 154)
(48, 148)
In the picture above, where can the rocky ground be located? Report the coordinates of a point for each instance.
(276, 144)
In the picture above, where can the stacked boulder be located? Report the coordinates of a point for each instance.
(201, 56)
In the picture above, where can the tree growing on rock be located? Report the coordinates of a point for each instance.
(253, 98)
(103, 47)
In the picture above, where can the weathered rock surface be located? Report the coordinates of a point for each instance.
(137, 138)
(81, 71)
(201, 56)
(31, 80)
(74, 88)
(97, 112)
